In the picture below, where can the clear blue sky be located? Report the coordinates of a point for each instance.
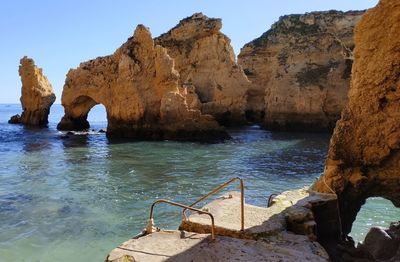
(59, 34)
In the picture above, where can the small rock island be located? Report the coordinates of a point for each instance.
(37, 95)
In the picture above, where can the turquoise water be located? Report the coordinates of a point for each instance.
(76, 198)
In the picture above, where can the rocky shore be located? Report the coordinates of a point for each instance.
(363, 157)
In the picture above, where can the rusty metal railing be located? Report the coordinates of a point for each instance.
(216, 190)
(149, 227)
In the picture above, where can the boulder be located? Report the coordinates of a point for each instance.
(37, 95)
(364, 153)
(139, 87)
(300, 70)
(206, 60)
(379, 244)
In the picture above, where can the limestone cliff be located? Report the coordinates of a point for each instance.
(300, 70)
(364, 153)
(205, 59)
(37, 95)
(140, 90)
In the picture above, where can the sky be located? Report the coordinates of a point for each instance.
(59, 34)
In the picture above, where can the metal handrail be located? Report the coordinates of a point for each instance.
(149, 227)
(219, 188)
(270, 199)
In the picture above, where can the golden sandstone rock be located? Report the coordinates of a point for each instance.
(37, 95)
(139, 87)
(205, 59)
(363, 159)
(300, 70)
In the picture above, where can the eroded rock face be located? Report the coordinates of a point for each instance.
(300, 70)
(205, 59)
(37, 95)
(140, 90)
(364, 157)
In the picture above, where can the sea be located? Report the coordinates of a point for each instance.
(76, 197)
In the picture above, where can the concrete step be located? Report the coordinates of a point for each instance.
(258, 222)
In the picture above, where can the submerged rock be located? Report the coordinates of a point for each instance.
(206, 60)
(300, 70)
(364, 157)
(139, 87)
(37, 95)
(15, 119)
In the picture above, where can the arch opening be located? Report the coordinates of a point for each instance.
(376, 230)
(376, 211)
(97, 117)
(76, 114)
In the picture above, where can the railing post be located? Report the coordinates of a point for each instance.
(219, 188)
(151, 221)
(242, 203)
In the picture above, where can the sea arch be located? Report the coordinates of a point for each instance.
(76, 113)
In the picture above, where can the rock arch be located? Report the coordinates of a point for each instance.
(364, 154)
(140, 90)
(77, 112)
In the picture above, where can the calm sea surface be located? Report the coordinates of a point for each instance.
(76, 198)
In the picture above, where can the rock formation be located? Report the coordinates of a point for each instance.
(205, 59)
(364, 153)
(140, 90)
(382, 244)
(300, 70)
(37, 95)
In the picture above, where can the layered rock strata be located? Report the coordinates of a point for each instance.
(139, 87)
(364, 153)
(205, 59)
(300, 70)
(37, 95)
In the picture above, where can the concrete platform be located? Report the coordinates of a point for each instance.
(268, 234)
(258, 222)
(186, 246)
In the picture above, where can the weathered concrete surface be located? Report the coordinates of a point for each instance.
(37, 95)
(290, 210)
(364, 156)
(205, 59)
(266, 236)
(187, 246)
(300, 70)
(139, 87)
(226, 211)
